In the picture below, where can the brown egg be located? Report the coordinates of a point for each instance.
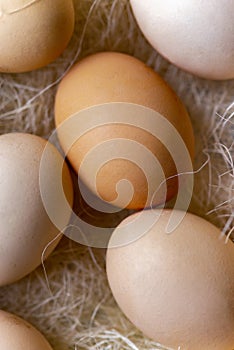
(17, 334)
(122, 101)
(177, 288)
(33, 33)
(30, 173)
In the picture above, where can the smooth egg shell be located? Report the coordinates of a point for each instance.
(111, 77)
(177, 288)
(25, 227)
(197, 36)
(33, 33)
(17, 334)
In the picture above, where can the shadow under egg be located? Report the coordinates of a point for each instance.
(92, 223)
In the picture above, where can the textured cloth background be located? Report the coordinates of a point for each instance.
(69, 301)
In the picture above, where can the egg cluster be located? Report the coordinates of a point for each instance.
(129, 140)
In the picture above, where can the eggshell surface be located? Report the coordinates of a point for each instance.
(33, 33)
(17, 334)
(27, 234)
(197, 36)
(177, 288)
(112, 78)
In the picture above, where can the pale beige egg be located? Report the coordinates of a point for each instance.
(177, 288)
(17, 334)
(108, 86)
(27, 234)
(33, 33)
(197, 36)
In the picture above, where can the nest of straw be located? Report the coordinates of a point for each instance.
(68, 298)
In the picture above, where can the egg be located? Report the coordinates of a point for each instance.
(27, 234)
(17, 334)
(118, 121)
(195, 36)
(33, 33)
(177, 288)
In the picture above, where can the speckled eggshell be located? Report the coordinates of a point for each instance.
(25, 227)
(177, 288)
(17, 334)
(110, 77)
(197, 36)
(33, 33)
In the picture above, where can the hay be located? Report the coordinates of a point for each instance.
(77, 311)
